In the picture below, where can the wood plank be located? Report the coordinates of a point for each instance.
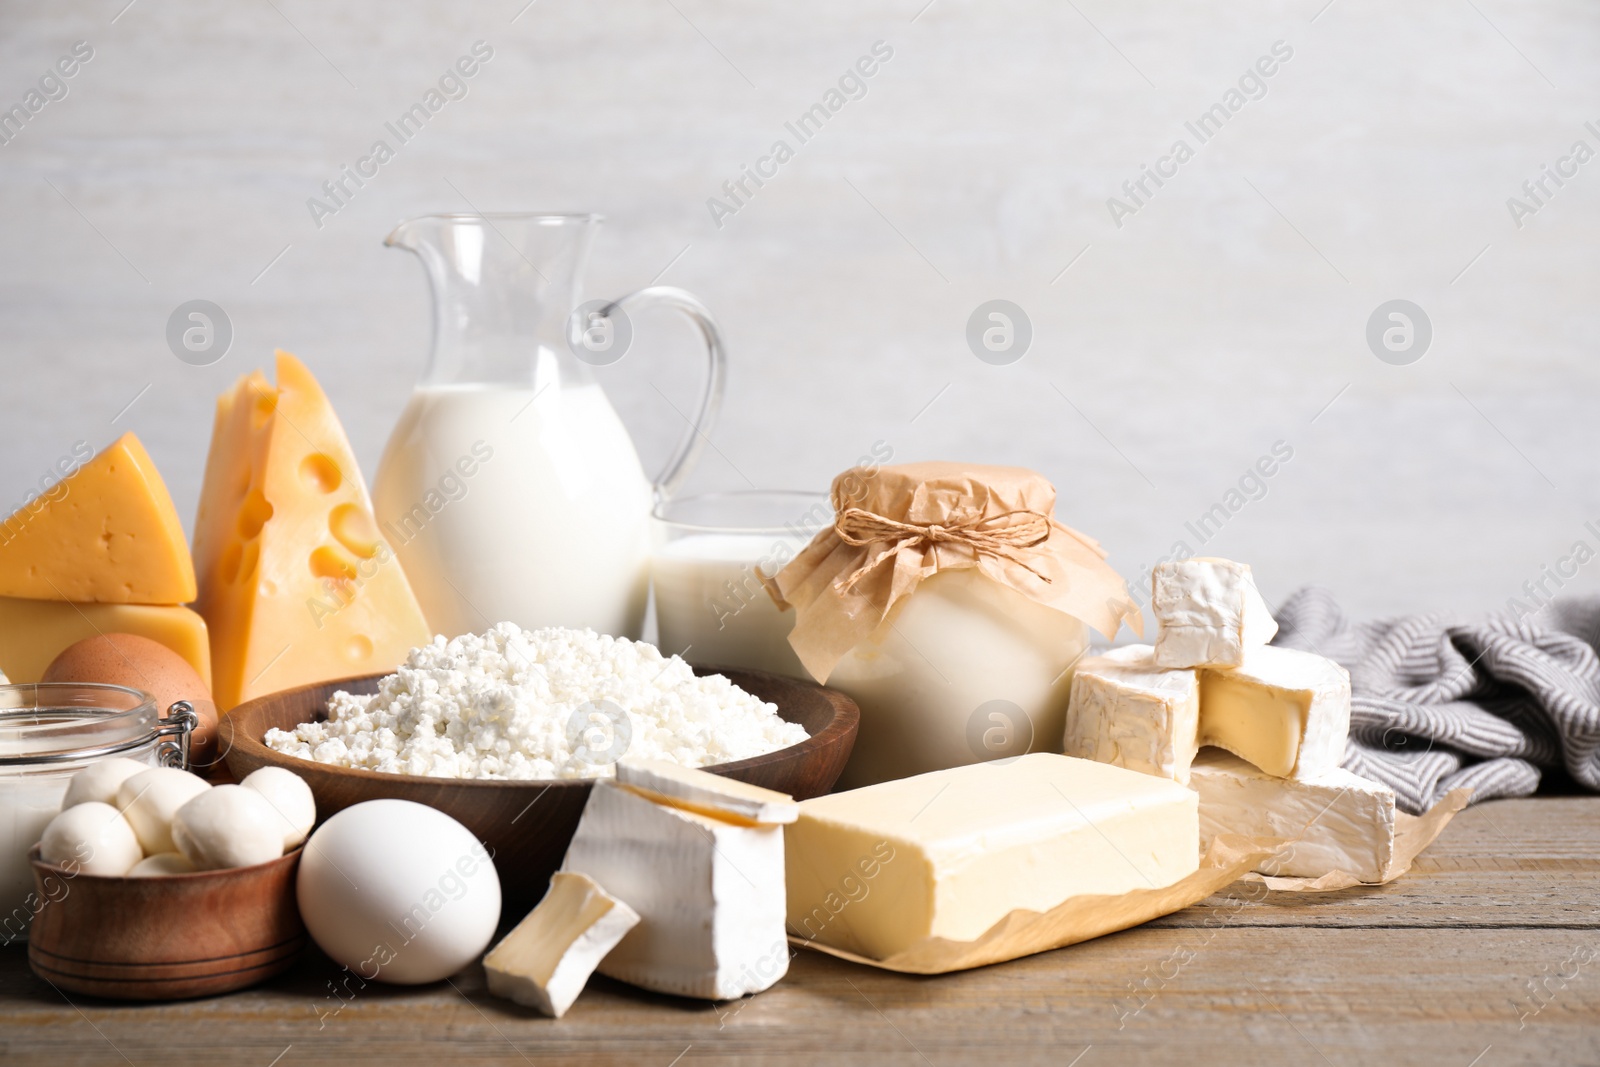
(1531, 863)
(1247, 996)
(1352, 982)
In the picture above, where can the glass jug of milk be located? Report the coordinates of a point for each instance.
(510, 490)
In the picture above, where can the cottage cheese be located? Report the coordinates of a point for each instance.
(538, 704)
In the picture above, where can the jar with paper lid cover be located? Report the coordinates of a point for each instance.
(947, 600)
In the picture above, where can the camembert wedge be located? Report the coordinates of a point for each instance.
(1128, 712)
(545, 960)
(950, 853)
(709, 892)
(1338, 821)
(1285, 711)
(1209, 611)
(706, 793)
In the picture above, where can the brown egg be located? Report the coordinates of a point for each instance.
(140, 663)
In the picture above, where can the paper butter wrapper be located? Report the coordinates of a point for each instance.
(1412, 834)
(1023, 933)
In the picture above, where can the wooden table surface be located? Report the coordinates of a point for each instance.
(1486, 954)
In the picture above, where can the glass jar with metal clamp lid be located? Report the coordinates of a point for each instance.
(50, 731)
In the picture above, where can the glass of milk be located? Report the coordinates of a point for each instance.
(49, 732)
(711, 553)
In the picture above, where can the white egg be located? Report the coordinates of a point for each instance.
(93, 838)
(228, 826)
(290, 797)
(398, 890)
(100, 781)
(151, 798)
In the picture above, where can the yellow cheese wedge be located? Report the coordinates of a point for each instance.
(35, 632)
(107, 534)
(296, 583)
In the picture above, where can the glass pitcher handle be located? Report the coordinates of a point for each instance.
(694, 442)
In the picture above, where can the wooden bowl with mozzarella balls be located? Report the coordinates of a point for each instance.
(154, 885)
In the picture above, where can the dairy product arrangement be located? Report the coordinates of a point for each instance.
(381, 722)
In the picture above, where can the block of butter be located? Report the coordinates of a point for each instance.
(1209, 612)
(1337, 821)
(1285, 711)
(1127, 711)
(545, 960)
(949, 853)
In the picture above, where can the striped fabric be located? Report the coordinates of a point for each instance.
(1440, 702)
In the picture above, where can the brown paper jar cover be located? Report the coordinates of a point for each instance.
(896, 526)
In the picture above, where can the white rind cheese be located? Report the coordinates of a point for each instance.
(1285, 711)
(1337, 821)
(1128, 712)
(709, 794)
(547, 958)
(949, 853)
(1209, 612)
(709, 893)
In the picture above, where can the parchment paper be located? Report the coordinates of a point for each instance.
(1412, 834)
(1023, 933)
(940, 516)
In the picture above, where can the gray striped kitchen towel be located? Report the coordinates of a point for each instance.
(1441, 702)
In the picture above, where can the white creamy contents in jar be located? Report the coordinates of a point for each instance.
(710, 604)
(963, 671)
(539, 704)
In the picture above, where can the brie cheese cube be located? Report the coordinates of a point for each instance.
(1287, 712)
(1128, 712)
(1209, 613)
(1338, 821)
(545, 960)
(706, 793)
(949, 853)
(709, 893)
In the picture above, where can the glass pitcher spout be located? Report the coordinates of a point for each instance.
(502, 288)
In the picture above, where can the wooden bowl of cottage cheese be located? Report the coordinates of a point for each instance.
(527, 823)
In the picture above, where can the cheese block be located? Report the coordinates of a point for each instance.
(1337, 821)
(545, 960)
(706, 793)
(34, 632)
(1209, 613)
(1287, 712)
(295, 581)
(709, 893)
(950, 853)
(1128, 712)
(105, 534)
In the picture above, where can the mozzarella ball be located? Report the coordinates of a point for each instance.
(92, 838)
(290, 797)
(228, 826)
(151, 798)
(398, 890)
(100, 781)
(162, 864)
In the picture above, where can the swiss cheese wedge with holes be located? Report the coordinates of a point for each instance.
(296, 584)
